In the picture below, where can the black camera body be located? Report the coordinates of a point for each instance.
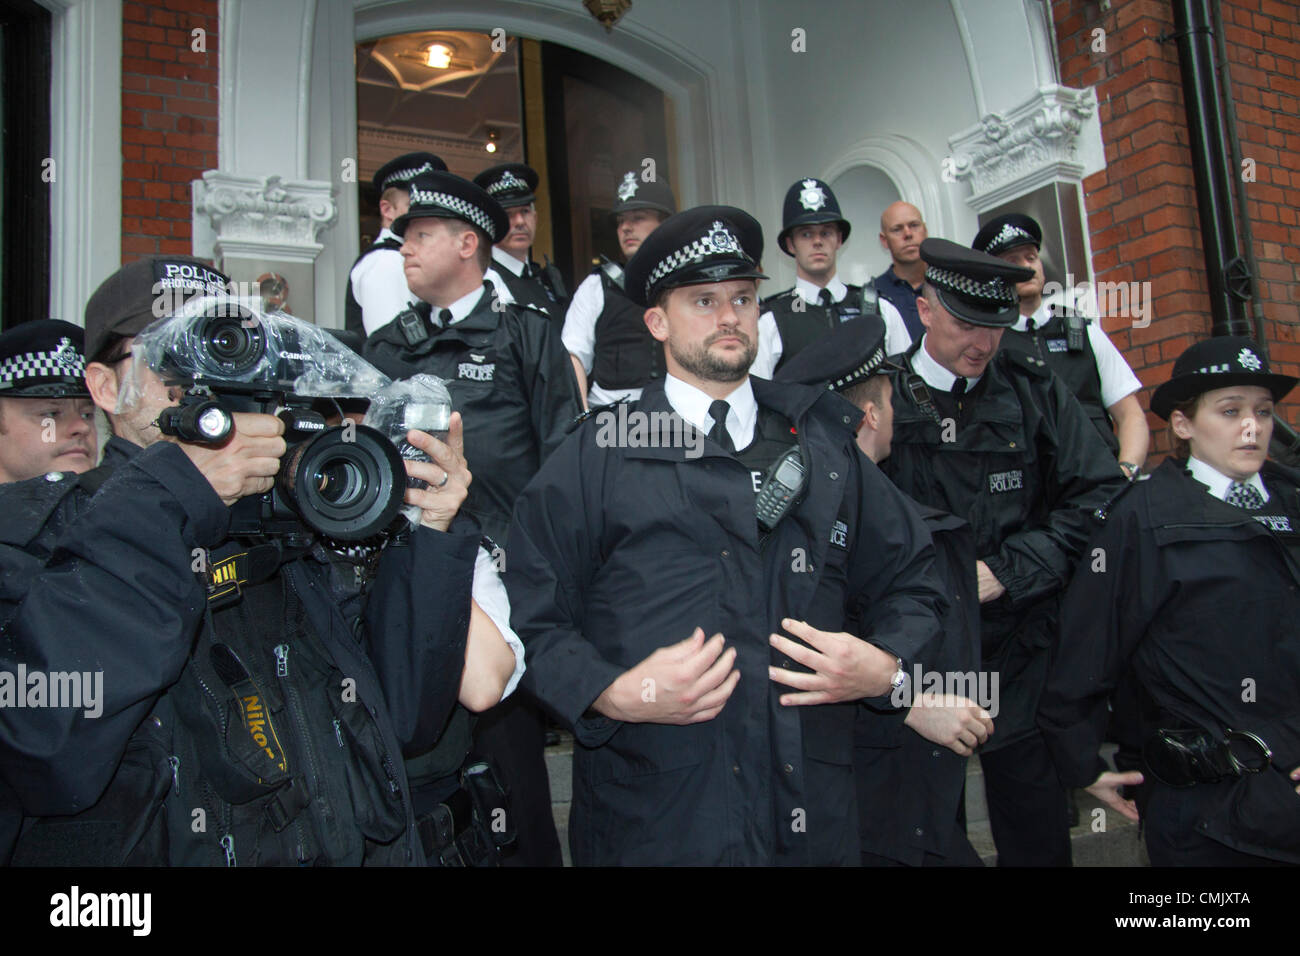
(345, 481)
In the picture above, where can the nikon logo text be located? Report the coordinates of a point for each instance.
(102, 909)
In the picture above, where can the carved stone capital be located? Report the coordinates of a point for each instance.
(268, 215)
(1038, 142)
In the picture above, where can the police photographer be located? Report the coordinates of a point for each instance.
(257, 693)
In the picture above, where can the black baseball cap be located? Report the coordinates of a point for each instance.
(144, 291)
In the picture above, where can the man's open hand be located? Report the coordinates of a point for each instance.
(847, 668)
(248, 461)
(1106, 789)
(683, 683)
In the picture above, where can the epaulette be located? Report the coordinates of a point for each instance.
(25, 506)
(774, 296)
(595, 409)
(1102, 513)
(1025, 362)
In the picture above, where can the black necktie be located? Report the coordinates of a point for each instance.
(1029, 326)
(825, 298)
(718, 412)
(958, 387)
(444, 319)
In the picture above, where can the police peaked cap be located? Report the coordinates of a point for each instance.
(1007, 232)
(143, 291)
(401, 170)
(634, 193)
(448, 196)
(704, 244)
(1218, 363)
(972, 285)
(510, 184)
(852, 352)
(43, 359)
(809, 202)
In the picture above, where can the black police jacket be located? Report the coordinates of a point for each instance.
(1025, 468)
(618, 550)
(909, 789)
(513, 384)
(1198, 601)
(108, 584)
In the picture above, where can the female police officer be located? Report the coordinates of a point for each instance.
(1191, 590)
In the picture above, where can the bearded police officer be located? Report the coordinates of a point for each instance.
(995, 437)
(910, 781)
(1072, 345)
(510, 379)
(252, 701)
(812, 232)
(47, 420)
(514, 185)
(613, 353)
(376, 288)
(723, 505)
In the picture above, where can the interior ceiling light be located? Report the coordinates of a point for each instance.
(439, 57)
(608, 12)
(492, 135)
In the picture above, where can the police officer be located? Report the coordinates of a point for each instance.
(1072, 345)
(47, 420)
(376, 289)
(508, 375)
(1196, 604)
(812, 232)
(513, 185)
(231, 725)
(994, 436)
(910, 781)
(604, 330)
(723, 505)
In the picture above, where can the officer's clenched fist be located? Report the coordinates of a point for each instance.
(247, 463)
(683, 683)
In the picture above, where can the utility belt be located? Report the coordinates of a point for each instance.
(1184, 758)
(469, 827)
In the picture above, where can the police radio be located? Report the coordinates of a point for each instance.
(782, 485)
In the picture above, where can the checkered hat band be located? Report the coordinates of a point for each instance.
(993, 292)
(507, 183)
(16, 369)
(463, 208)
(405, 175)
(862, 371)
(1007, 237)
(695, 252)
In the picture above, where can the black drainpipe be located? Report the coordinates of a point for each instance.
(1230, 278)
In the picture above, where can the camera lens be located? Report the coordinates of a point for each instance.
(340, 482)
(346, 483)
(231, 346)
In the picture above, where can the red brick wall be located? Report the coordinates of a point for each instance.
(1142, 208)
(169, 120)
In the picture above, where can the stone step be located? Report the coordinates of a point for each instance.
(1116, 845)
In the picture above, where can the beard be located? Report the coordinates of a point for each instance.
(712, 368)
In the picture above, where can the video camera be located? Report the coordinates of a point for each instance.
(345, 481)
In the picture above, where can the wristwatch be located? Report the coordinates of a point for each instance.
(900, 675)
